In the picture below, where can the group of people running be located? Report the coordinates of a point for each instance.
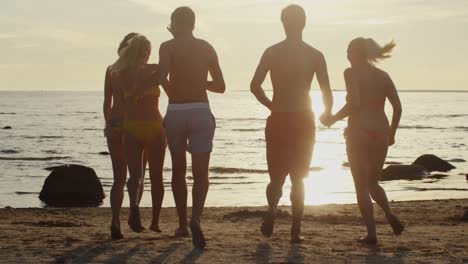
(137, 134)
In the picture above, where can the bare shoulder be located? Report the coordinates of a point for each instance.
(276, 48)
(315, 53)
(204, 44)
(167, 44)
(383, 75)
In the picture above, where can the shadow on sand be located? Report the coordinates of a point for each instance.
(376, 256)
(117, 252)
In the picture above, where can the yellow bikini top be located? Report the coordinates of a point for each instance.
(136, 95)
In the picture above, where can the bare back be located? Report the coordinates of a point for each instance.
(188, 61)
(292, 66)
(142, 103)
(368, 89)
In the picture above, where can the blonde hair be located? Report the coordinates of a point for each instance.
(130, 55)
(130, 59)
(372, 51)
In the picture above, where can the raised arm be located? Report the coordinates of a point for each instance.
(217, 85)
(324, 83)
(107, 105)
(394, 99)
(258, 79)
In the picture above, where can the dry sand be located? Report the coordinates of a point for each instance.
(436, 233)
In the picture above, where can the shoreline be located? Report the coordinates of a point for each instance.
(435, 233)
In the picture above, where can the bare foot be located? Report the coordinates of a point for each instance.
(396, 225)
(181, 232)
(155, 228)
(198, 239)
(367, 240)
(134, 220)
(116, 234)
(297, 239)
(268, 224)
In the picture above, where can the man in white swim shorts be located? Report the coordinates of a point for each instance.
(189, 123)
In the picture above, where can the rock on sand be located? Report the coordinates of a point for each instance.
(72, 185)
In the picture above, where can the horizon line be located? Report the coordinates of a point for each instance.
(246, 90)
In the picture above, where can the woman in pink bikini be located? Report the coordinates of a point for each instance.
(369, 133)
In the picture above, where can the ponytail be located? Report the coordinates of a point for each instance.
(374, 52)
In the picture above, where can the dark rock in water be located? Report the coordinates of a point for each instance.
(403, 172)
(456, 160)
(433, 163)
(72, 186)
(104, 153)
(7, 127)
(393, 163)
(437, 176)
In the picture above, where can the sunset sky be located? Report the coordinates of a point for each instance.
(67, 45)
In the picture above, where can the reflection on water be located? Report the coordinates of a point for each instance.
(51, 128)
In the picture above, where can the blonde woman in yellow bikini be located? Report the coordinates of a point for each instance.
(142, 125)
(114, 115)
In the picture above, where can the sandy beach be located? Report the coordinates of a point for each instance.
(436, 233)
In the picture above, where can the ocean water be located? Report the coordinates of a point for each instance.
(53, 128)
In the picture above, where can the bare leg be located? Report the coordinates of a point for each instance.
(156, 155)
(297, 203)
(357, 156)
(119, 168)
(142, 187)
(274, 192)
(179, 190)
(200, 165)
(134, 155)
(377, 159)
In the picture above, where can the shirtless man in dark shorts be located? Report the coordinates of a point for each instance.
(189, 123)
(290, 129)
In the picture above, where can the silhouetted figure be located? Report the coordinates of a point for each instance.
(113, 108)
(290, 129)
(135, 87)
(189, 122)
(369, 134)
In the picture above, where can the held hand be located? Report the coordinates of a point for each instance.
(327, 119)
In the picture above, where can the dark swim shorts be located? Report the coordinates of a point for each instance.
(290, 139)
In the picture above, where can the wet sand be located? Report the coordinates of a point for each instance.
(436, 233)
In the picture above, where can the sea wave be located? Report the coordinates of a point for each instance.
(34, 158)
(23, 193)
(240, 119)
(6, 113)
(420, 127)
(227, 170)
(248, 129)
(452, 115)
(9, 151)
(221, 177)
(50, 136)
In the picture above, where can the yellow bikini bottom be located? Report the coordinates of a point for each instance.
(143, 131)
